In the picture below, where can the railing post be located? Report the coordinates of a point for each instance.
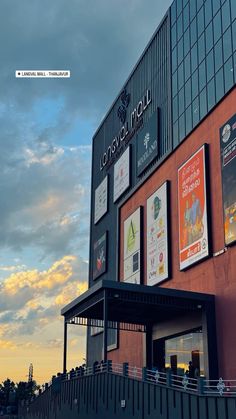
(109, 365)
(144, 374)
(126, 369)
(201, 385)
(169, 378)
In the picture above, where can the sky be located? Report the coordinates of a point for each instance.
(46, 129)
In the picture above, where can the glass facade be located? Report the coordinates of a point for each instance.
(180, 350)
(203, 44)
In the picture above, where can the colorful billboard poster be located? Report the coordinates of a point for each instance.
(193, 228)
(122, 174)
(99, 256)
(132, 247)
(228, 167)
(157, 236)
(101, 200)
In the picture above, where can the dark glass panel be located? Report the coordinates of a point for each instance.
(195, 84)
(175, 108)
(201, 48)
(210, 65)
(203, 103)
(186, 17)
(200, 21)
(180, 51)
(188, 93)
(218, 55)
(188, 119)
(182, 127)
(233, 10)
(173, 36)
(174, 59)
(209, 38)
(225, 15)
(181, 101)
(193, 31)
(180, 76)
(208, 12)
(179, 26)
(202, 75)
(186, 42)
(187, 69)
(176, 134)
(194, 57)
(179, 7)
(234, 34)
(173, 12)
(228, 74)
(227, 44)
(217, 27)
(211, 99)
(174, 84)
(196, 112)
(219, 85)
(192, 9)
(215, 6)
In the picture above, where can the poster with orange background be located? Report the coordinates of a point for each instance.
(193, 228)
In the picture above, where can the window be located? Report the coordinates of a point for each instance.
(181, 101)
(188, 118)
(195, 84)
(173, 35)
(179, 26)
(216, 6)
(203, 103)
(195, 111)
(187, 70)
(225, 15)
(229, 74)
(200, 21)
(219, 85)
(233, 9)
(186, 42)
(174, 84)
(192, 4)
(186, 17)
(182, 127)
(201, 48)
(208, 12)
(181, 76)
(217, 27)
(194, 60)
(202, 75)
(193, 31)
(211, 100)
(210, 65)
(180, 54)
(188, 95)
(209, 38)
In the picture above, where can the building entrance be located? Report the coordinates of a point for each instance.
(182, 353)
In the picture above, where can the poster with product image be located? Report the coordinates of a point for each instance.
(132, 247)
(192, 202)
(157, 236)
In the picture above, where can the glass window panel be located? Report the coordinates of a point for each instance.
(216, 6)
(200, 21)
(234, 63)
(201, 47)
(180, 53)
(210, 65)
(173, 12)
(209, 38)
(227, 44)
(203, 103)
(182, 127)
(193, 31)
(196, 113)
(186, 17)
(173, 35)
(211, 99)
(174, 59)
(181, 101)
(219, 85)
(186, 42)
(174, 84)
(188, 120)
(217, 27)
(188, 93)
(233, 10)
(179, 26)
(194, 59)
(202, 75)
(218, 55)
(192, 9)
(176, 134)
(199, 4)
(225, 15)
(234, 35)
(175, 108)
(195, 84)
(185, 2)
(229, 74)
(187, 70)
(181, 75)
(179, 7)
(208, 12)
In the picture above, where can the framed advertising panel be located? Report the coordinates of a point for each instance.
(157, 236)
(100, 256)
(101, 200)
(228, 169)
(132, 246)
(192, 217)
(122, 175)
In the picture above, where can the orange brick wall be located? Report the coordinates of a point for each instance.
(216, 275)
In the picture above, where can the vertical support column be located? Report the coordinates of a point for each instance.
(105, 327)
(65, 346)
(210, 341)
(148, 346)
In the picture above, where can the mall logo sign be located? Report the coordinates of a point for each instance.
(129, 127)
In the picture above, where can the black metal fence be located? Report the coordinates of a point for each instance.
(120, 391)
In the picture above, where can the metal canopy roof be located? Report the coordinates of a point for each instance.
(132, 304)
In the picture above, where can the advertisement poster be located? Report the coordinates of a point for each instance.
(132, 247)
(100, 256)
(193, 228)
(147, 144)
(101, 200)
(228, 167)
(157, 236)
(121, 174)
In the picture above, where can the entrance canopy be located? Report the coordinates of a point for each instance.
(132, 307)
(132, 304)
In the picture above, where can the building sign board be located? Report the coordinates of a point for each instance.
(100, 256)
(132, 230)
(193, 226)
(122, 174)
(147, 144)
(101, 200)
(228, 167)
(157, 236)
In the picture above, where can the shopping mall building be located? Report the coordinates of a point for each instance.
(162, 272)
